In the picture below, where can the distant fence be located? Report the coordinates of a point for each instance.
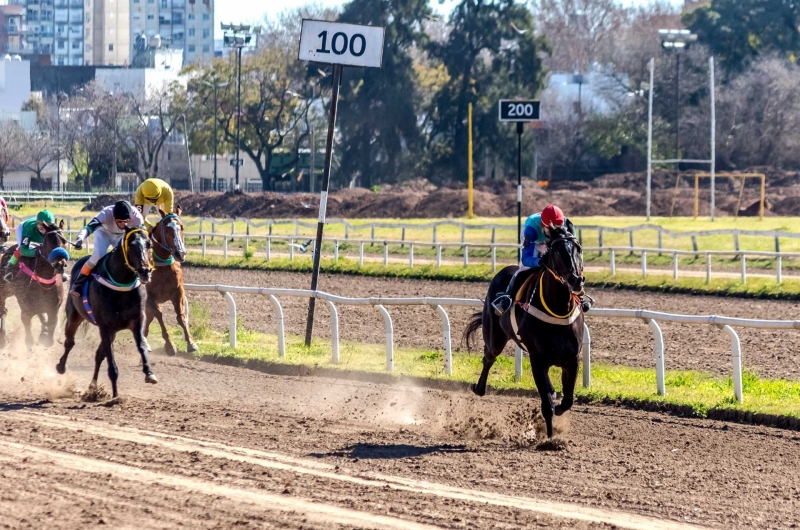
(651, 318)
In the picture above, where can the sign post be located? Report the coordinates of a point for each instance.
(519, 111)
(340, 45)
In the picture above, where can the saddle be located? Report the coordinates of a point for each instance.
(523, 282)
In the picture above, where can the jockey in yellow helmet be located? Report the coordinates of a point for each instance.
(154, 194)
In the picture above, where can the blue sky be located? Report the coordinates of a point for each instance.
(242, 11)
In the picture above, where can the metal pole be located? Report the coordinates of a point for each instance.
(650, 136)
(713, 136)
(677, 107)
(238, 113)
(313, 175)
(215, 137)
(323, 197)
(519, 189)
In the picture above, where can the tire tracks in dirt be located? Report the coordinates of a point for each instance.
(319, 470)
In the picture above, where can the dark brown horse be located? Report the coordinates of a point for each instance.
(113, 299)
(545, 320)
(167, 282)
(37, 286)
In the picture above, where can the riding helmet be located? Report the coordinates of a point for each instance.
(150, 190)
(122, 210)
(552, 216)
(45, 216)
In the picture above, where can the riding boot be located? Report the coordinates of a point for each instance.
(503, 301)
(77, 287)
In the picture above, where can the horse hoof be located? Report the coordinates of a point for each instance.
(61, 368)
(192, 347)
(478, 391)
(169, 349)
(150, 378)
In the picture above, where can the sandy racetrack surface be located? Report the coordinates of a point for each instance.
(769, 353)
(221, 447)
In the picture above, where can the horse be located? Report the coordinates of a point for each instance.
(546, 320)
(113, 299)
(167, 282)
(37, 285)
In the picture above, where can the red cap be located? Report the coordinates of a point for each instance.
(552, 214)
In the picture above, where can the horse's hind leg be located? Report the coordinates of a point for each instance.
(73, 322)
(26, 322)
(154, 310)
(141, 345)
(106, 351)
(543, 385)
(569, 375)
(494, 340)
(178, 304)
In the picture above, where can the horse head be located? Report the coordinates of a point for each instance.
(53, 241)
(168, 234)
(136, 251)
(565, 258)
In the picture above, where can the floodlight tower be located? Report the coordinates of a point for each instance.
(677, 42)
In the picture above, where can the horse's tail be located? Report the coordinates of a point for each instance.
(475, 323)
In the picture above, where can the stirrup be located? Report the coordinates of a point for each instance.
(501, 304)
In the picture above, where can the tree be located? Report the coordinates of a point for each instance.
(491, 52)
(39, 153)
(144, 123)
(737, 31)
(380, 137)
(12, 148)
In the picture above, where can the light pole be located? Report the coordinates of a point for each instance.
(677, 41)
(216, 86)
(312, 143)
(60, 97)
(238, 36)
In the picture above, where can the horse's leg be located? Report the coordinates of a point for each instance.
(543, 384)
(3, 313)
(141, 345)
(569, 375)
(73, 322)
(26, 318)
(154, 310)
(494, 340)
(178, 304)
(106, 350)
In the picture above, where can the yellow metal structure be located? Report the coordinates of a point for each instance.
(734, 177)
(470, 211)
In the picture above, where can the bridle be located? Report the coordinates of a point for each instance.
(126, 244)
(174, 222)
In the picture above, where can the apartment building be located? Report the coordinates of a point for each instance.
(107, 32)
(179, 24)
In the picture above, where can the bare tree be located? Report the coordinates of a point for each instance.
(152, 119)
(12, 148)
(39, 152)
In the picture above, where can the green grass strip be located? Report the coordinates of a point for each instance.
(699, 392)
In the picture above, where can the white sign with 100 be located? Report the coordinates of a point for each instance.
(345, 44)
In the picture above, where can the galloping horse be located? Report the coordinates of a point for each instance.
(545, 320)
(113, 299)
(167, 282)
(37, 286)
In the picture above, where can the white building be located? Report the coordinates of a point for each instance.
(186, 25)
(139, 82)
(15, 83)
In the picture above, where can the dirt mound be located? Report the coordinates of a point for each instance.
(101, 201)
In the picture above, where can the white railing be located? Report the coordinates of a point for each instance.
(438, 304)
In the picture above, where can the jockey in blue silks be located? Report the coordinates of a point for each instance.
(534, 245)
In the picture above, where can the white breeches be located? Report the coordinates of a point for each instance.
(102, 240)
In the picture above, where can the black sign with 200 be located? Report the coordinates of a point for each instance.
(519, 110)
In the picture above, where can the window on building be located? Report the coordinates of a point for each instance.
(191, 32)
(61, 45)
(137, 16)
(190, 16)
(163, 4)
(76, 45)
(169, 155)
(206, 17)
(150, 17)
(111, 47)
(206, 48)
(206, 33)
(191, 47)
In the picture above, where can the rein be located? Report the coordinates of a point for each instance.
(108, 280)
(125, 245)
(573, 297)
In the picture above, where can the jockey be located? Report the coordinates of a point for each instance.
(108, 227)
(154, 194)
(534, 245)
(30, 232)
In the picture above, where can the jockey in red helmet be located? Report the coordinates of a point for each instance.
(535, 234)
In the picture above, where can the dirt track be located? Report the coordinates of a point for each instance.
(221, 447)
(771, 353)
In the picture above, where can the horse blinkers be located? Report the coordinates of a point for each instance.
(571, 273)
